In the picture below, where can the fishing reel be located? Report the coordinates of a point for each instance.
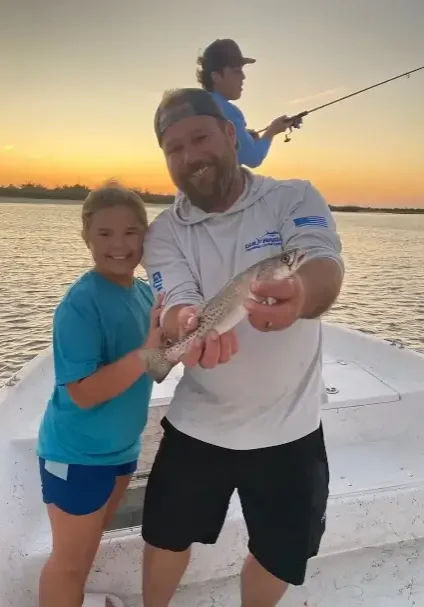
(295, 123)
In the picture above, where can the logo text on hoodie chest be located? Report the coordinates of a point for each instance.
(271, 238)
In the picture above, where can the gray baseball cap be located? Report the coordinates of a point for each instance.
(183, 103)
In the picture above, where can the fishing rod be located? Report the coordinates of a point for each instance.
(296, 121)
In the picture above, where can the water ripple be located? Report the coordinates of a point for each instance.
(41, 253)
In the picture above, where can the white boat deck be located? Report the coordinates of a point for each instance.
(374, 429)
(392, 576)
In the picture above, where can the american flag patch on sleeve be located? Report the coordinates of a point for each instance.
(313, 221)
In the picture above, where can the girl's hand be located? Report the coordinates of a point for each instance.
(156, 337)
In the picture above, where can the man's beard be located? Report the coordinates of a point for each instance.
(210, 196)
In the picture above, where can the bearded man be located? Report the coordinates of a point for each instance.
(246, 414)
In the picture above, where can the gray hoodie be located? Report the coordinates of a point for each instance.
(272, 390)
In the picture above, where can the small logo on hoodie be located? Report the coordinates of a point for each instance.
(269, 239)
(157, 281)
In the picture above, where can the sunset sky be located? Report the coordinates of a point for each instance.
(80, 81)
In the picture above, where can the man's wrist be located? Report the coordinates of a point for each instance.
(302, 286)
(320, 281)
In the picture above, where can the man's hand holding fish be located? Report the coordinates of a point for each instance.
(308, 293)
(213, 350)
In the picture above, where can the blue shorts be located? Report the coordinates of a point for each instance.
(78, 489)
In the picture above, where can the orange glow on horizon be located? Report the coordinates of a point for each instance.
(334, 167)
(369, 186)
(81, 90)
(51, 173)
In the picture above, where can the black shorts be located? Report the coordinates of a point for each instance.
(283, 492)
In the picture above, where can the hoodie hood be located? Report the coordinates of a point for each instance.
(256, 187)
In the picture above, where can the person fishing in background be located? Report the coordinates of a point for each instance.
(220, 72)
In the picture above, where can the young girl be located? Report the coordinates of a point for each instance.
(89, 439)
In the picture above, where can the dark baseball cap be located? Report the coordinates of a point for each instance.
(221, 53)
(183, 103)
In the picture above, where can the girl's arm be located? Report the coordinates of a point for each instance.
(113, 379)
(108, 382)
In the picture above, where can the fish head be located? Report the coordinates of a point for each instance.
(292, 259)
(281, 266)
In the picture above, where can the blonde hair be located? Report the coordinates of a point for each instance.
(110, 195)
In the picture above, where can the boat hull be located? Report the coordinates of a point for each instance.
(374, 430)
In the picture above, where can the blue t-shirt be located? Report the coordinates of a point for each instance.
(251, 152)
(96, 323)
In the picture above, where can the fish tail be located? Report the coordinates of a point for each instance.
(156, 364)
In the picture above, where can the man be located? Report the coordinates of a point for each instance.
(246, 414)
(221, 73)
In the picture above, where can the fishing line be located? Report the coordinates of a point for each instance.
(296, 121)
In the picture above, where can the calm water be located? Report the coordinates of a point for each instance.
(41, 253)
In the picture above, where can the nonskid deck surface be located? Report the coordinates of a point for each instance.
(388, 576)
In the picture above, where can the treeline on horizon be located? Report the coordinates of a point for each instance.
(78, 192)
(70, 192)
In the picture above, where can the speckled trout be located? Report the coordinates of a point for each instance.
(223, 311)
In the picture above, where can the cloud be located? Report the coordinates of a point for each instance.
(8, 148)
(336, 91)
